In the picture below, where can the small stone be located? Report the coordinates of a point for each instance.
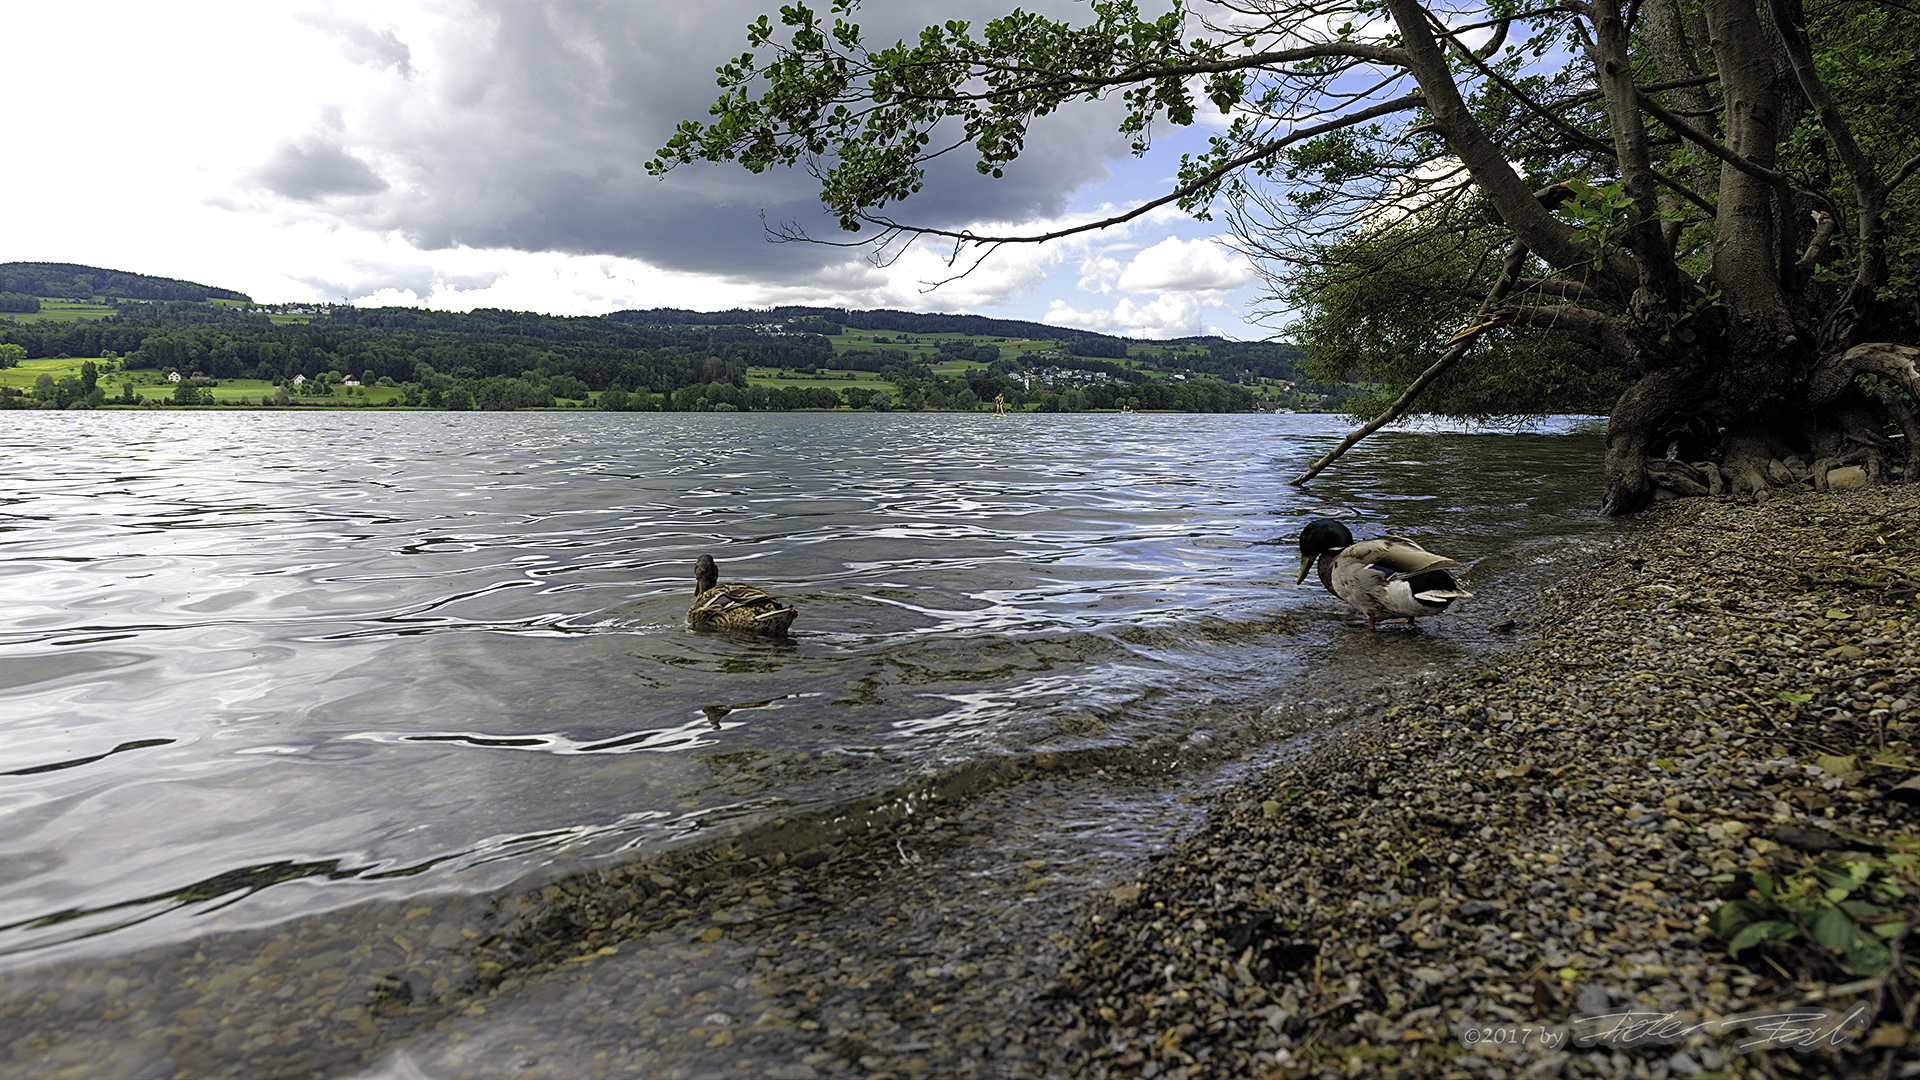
(1847, 478)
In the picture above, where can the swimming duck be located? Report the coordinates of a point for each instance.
(1388, 578)
(734, 607)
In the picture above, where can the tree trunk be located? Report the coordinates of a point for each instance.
(1782, 421)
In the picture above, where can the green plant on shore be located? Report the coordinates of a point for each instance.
(1854, 907)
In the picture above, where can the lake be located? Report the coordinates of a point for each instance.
(266, 666)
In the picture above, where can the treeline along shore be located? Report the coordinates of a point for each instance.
(177, 351)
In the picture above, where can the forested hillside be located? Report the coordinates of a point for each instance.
(85, 282)
(643, 359)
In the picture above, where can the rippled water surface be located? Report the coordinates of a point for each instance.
(266, 663)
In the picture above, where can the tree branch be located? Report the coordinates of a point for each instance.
(1712, 145)
(1531, 222)
(1609, 332)
(1561, 287)
(1191, 188)
(1483, 320)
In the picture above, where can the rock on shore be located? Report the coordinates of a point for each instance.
(1547, 840)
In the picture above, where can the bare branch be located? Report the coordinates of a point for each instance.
(1561, 287)
(1824, 226)
(1611, 333)
(1906, 169)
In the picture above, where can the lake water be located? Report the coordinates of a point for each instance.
(258, 666)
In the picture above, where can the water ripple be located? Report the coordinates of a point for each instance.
(245, 650)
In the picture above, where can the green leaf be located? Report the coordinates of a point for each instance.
(1835, 928)
(1869, 958)
(1834, 876)
(1727, 919)
(1754, 933)
(1792, 698)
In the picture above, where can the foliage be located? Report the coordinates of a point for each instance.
(86, 282)
(1854, 908)
(820, 320)
(1380, 306)
(1715, 196)
(492, 359)
(865, 121)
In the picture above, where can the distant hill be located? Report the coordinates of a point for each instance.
(85, 282)
(904, 322)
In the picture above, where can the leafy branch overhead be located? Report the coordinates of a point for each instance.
(866, 122)
(1703, 207)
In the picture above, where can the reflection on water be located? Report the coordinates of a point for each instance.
(399, 652)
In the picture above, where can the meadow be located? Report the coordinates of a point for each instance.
(62, 310)
(156, 389)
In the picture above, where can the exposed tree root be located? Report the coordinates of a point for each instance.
(1845, 431)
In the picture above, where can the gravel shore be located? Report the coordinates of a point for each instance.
(1545, 840)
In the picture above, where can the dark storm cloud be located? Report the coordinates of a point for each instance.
(310, 172)
(531, 126)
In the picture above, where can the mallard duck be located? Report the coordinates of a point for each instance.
(732, 606)
(1388, 578)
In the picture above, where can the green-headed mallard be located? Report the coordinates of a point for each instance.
(734, 607)
(1388, 578)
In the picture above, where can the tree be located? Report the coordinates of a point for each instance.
(1711, 194)
(1378, 309)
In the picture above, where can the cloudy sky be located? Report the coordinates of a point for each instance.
(463, 153)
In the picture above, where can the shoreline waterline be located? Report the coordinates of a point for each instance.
(1542, 846)
(444, 757)
(930, 925)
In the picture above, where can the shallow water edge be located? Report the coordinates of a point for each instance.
(441, 985)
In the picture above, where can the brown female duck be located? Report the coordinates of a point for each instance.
(734, 607)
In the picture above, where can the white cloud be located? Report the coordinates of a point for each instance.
(1169, 315)
(1185, 265)
(462, 153)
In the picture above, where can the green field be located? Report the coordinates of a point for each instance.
(56, 309)
(831, 380)
(24, 376)
(154, 387)
(925, 347)
(63, 311)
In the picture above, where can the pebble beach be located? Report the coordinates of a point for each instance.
(1461, 882)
